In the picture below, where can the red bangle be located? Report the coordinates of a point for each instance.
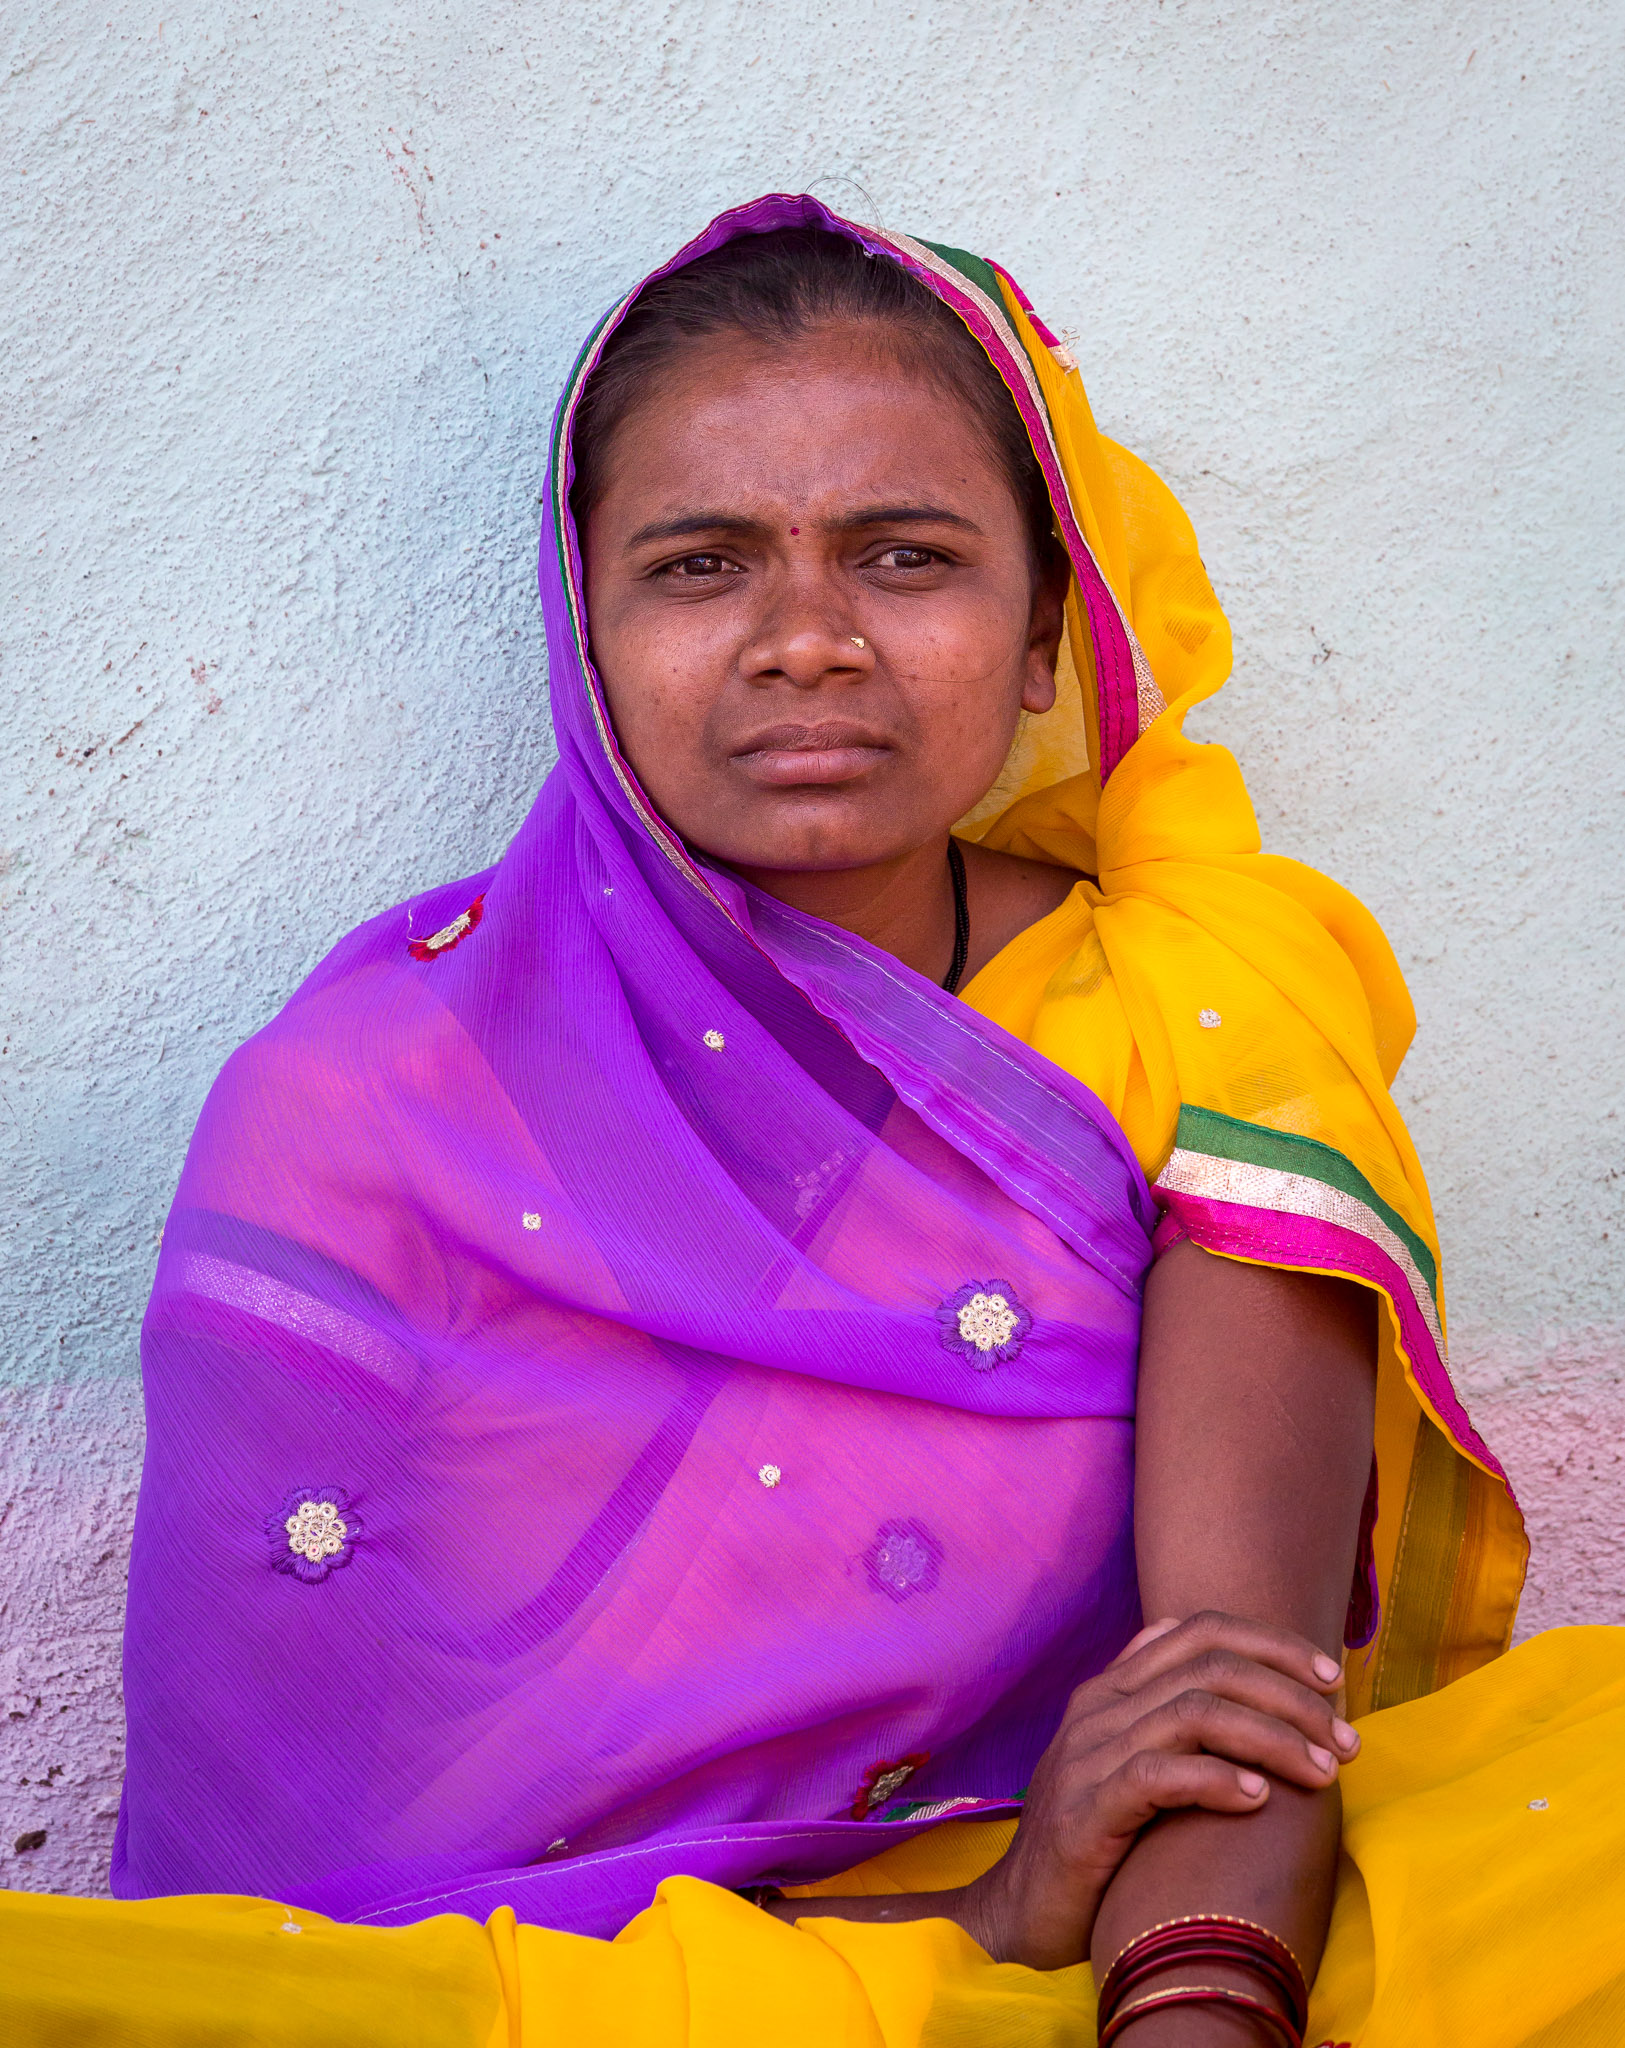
(1200, 1938)
(1199, 1994)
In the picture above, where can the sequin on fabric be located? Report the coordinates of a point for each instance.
(882, 1779)
(984, 1322)
(313, 1532)
(904, 1559)
(449, 935)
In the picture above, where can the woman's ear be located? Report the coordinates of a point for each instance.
(1050, 585)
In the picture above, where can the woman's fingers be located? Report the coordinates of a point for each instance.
(1160, 1648)
(1148, 1634)
(1196, 1721)
(1154, 1781)
(1229, 1675)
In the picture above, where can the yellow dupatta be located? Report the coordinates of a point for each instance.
(1242, 1016)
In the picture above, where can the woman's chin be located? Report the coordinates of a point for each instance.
(826, 837)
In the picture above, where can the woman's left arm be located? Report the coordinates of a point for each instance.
(1253, 1450)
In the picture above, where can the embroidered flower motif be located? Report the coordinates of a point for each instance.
(985, 1322)
(1539, 1805)
(449, 935)
(1210, 1020)
(770, 1475)
(531, 1220)
(904, 1558)
(715, 1040)
(313, 1532)
(881, 1780)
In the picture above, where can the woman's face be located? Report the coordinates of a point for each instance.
(812, 602)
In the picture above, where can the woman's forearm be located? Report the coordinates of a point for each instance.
(1254, 1446)
(1276, 1867)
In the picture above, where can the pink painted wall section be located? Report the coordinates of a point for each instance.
(1556, 1415)
(288, 295)
(72, 1458)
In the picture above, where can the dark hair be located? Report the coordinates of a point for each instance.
(775, 287)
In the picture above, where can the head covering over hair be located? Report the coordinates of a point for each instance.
(640, 1381)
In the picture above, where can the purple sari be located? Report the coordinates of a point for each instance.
(638, 1382)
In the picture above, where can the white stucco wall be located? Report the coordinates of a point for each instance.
(287, 295)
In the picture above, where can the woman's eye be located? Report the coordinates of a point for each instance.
(699, 565)
(907, 558)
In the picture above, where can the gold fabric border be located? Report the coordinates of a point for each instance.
(1297, 1194)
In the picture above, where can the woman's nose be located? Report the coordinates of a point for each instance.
(810, 637)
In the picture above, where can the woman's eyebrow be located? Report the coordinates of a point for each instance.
(686, 523)
(905, 515)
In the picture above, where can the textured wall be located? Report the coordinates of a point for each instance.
(287, 297)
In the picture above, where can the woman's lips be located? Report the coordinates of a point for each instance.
(790, 755)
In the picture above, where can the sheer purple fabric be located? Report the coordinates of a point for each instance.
(637, 1382)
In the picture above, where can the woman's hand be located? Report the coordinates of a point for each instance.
(1192, 1714)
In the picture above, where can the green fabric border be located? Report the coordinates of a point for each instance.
(1218, 1136)
(980, 272)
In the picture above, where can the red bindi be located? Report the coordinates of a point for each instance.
(794, 531)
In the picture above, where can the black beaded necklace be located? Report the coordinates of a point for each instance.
(956, 868)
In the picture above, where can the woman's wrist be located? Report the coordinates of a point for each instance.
(1217, 2023)
(1198, 2026)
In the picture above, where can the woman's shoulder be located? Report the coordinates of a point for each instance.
(375, 1000)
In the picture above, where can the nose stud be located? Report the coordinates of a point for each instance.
(857, 642)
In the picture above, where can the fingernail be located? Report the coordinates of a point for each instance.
(1250, 1782)
(1326, 1669)
(1344, 1736)
(1323, 1757)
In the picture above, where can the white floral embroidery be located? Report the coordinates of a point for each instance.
(531, 1220)
(770, 1475)
(315, 1530)
(1210, 1020)
(987, 1321)
(715, 1040)
(1539, 1805)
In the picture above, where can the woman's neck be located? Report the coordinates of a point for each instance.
(906, 906)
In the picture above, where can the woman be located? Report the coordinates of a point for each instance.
(681, 1364)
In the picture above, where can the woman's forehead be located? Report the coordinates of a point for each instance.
(824, 409)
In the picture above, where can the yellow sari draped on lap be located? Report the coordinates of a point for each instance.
(1480, 1900)
(1242, 1017)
